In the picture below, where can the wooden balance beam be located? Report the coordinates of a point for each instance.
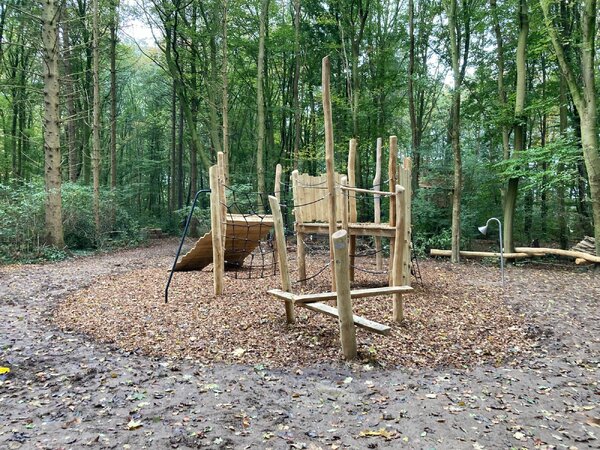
(314, 303)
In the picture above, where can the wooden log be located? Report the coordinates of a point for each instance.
(344, 301)
(216, 227)
(284, 271)
(377, 202)
(399, 256)
(300, 299)
(298, 218)
(392, 175)
(559, 252)
(353, 212)
(329, 157)
(582, 262)
(470, 254)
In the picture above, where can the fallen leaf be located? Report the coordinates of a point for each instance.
(593, 421)
(134, 424)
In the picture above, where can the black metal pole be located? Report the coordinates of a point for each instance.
(185, 230)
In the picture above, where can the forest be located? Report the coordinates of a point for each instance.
(103, 134)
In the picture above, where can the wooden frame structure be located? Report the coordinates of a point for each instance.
(314, 214)
(221, 244)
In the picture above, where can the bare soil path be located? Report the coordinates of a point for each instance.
(66, 391)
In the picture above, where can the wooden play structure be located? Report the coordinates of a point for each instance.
(232, 237)
(326, 205)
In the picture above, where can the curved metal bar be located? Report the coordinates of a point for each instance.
(185, 230)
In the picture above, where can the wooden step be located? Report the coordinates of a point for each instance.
(359, 321)
(302, 299)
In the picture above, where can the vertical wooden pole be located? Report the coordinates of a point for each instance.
(329, 158)
(215, 222)
(282, 255)
(406, 182)
(222, 196)
(399, 256)
(345, 195)
(344, 301)
(392, 175)
(353, 213)
(377, 202)
(300, 246)
(277, 188)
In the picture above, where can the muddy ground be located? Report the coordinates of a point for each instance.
(67, 391)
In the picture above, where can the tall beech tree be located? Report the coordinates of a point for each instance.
(582, 87)
(520, 124)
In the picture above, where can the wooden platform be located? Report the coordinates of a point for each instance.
(243, 234)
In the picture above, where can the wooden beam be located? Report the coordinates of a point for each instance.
(359, 321)
(327, 296)
(284, 271)
(329, 157)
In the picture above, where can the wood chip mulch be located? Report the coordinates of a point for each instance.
(458, 319)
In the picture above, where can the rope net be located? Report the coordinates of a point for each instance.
(248, 254)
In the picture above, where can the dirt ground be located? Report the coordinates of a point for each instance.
(67, 390)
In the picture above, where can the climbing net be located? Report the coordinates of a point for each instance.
(249, 249)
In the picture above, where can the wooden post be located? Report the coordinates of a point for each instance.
(344, 301)
(345, 195)
(222, 196)
(217, 239)
(406, 182)
(329, 158)
(399, 256)
(377, 203)
(392, 175)
(284, 272)
(277, 188)
(353, 216)
(300, 246)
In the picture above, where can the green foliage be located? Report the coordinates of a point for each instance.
(22, 229)
(544, 168)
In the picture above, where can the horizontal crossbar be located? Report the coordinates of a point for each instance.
(325, 296)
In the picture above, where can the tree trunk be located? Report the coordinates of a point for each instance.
(52, 175)
(70, 103)
(113, 95)
(297, 111)
(260, 101)
(225, 95)
(455, 127)
(584, 97)
(510, 199)
(96, 120)
(500, 63)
